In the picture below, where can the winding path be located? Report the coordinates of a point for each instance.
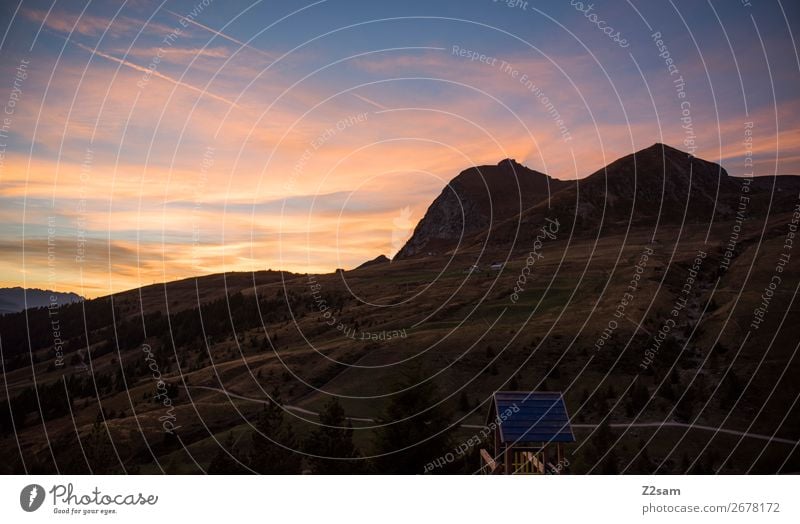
(296, 409)
(668, 424)
(665, 424)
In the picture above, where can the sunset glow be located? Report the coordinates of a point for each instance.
(143, 146)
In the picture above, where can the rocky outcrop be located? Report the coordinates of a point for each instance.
(380, 259)
(506, 204)
(475, 200)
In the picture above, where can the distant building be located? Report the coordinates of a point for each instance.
(529, 432)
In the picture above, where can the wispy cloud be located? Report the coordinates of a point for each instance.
(155, 73)
(177, 54)
(370, 102)
(221, 34)
(89, 25)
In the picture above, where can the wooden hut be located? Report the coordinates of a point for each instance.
(530, 429)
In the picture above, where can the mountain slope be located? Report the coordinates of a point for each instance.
(227, 338)
(380, 259)
(657, 185)
(475, 200)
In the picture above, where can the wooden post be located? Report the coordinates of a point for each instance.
(496, 442)
(491, 465)
(544, 458)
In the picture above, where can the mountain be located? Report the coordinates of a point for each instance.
(659, 185)
(380, 259)
(656, 185)
(15, 299)
(202, 355)
(476, 199)
(659, 181)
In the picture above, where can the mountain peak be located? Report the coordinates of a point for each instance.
(510, 162)
(380, 259)
(664, 149)
(474, 200)
(656, 181)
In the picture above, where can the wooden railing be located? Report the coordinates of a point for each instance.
(538, 465)
(489, 463)
(524, 463)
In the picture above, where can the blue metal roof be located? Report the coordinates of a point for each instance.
(531, 417)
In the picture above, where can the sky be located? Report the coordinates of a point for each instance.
(145, 142)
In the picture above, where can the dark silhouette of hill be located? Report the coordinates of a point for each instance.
(380, 259)
(16, 299)
(659, 185)
(476, 199)
(365, 335)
